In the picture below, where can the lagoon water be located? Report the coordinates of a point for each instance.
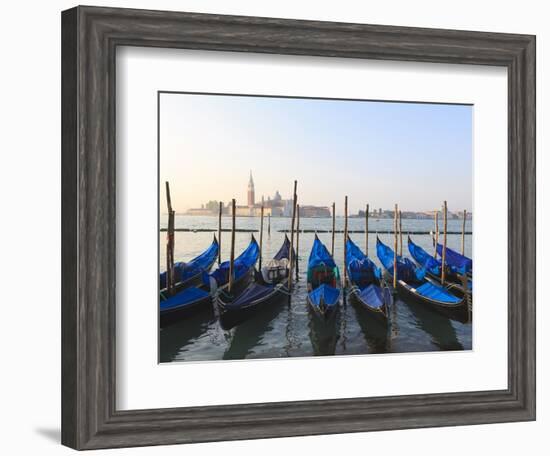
(287, 330)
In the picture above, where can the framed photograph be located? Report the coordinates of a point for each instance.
(273, 227)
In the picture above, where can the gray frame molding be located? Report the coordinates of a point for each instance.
(89, 38)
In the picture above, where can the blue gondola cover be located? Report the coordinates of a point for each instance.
(284, 251)
(432, 265)
(183, 298)
(462, 263)
(252, 293)
(437, 292)
(325, 294)
(241, 266)
(372, 294)
(184, 271)
(361, 269)
(320, 255)
(406, 269)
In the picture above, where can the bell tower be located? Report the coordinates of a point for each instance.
(251, 199)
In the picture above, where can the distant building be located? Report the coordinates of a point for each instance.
(274, 206)
(250, 191)
(420, 215)
(199, 211)
(314, 211)
(246, 211)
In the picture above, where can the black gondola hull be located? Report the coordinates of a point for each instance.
(379, 313)
(325, 316)
(171, 316)
(231, 317)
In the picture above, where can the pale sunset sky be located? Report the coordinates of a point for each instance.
(380, 153)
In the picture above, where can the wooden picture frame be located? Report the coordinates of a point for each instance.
(90, 36)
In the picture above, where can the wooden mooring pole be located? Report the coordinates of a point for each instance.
(463, 230)
(436, 223)
(261, 234)
(297, 240)
(170, 279)
(367, 230)
(269, 224)
(333, 228)
(444, 251)
(291, 254)
(395, 248)
(232, 254)
(345, 239)
(220, 233)
(400, 236)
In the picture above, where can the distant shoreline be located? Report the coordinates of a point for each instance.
(371, 217)
(241, 230)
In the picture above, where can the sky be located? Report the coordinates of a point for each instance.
(381, 153)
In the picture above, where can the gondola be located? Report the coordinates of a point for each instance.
(270, 286)
(323, 282)
(433, 269)
(186, 274)
(185, 303)
(412, 283)
(367, 287)
(243, 269)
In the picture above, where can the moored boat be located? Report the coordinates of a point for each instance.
(367, 288)
(267, 289)
(412, 283)
(323, 282)
(432, 265)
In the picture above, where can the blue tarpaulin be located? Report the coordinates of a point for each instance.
(284, 251)
(183, 298)
(361, 269)
(325, 294)
(241, 265)
(423, 258)
(252, 293)
(321, 266)
(406, 269)
(437, 292)
(462, 263)
(320, 255)
(372, 295)
(185, 271)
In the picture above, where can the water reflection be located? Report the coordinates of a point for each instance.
(375, 331)
(247, 337)
(174, 338)
(324, 334)
(436, 325)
